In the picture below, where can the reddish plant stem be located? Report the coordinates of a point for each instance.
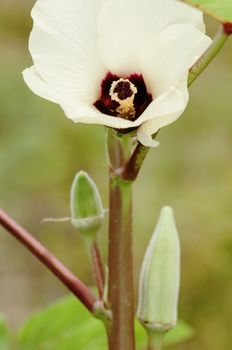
(78, 288)
(120, 292)
(121, 298)
(98, 269)
(135, 162)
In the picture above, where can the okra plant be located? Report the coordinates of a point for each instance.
(126, 65)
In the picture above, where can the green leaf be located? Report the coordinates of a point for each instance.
(4, 335)
(67, 325)
(219, 9)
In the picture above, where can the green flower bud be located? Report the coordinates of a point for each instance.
(87, 212)
(160, 276)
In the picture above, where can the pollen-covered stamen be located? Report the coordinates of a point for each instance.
(123, 92)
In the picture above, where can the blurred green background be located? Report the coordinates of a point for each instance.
(41, 150)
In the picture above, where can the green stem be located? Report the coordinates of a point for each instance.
(120, 295)
(218, 43)
(155, 340)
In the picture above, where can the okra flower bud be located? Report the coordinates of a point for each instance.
(160, 275)
(87, 212)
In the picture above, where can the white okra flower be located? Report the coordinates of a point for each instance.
(119, 63)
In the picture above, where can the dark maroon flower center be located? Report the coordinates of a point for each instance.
(123, 97)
